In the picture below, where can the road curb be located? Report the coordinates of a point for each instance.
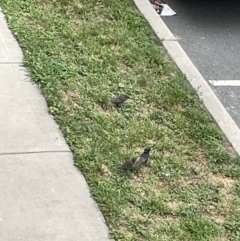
(210, 100)
(158, 26)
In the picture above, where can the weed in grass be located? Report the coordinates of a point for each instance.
(200, 228)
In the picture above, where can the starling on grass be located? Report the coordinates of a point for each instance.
(129, 164)
(144, 156)
(119, 100)
(137, 161)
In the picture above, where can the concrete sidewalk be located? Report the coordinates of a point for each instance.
(42, 195)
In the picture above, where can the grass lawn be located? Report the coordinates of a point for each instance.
(81, 53)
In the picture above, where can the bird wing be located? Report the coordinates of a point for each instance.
(127, 164)
(137, 160)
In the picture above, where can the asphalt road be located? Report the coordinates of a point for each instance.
(209, 32)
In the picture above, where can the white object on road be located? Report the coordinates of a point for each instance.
(225, 82)
(167, 11)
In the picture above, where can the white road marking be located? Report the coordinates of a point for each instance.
(225, 82)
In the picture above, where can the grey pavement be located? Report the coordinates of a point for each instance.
(42, 195)
(209, 32)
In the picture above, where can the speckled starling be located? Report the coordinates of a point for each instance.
(119, 100)
(137, 161)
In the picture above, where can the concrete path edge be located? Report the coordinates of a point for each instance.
(43, 195)
(210, 100)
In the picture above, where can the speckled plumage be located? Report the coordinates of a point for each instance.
(137, 161)
(119, 100)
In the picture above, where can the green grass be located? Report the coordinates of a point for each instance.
(82, 53)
